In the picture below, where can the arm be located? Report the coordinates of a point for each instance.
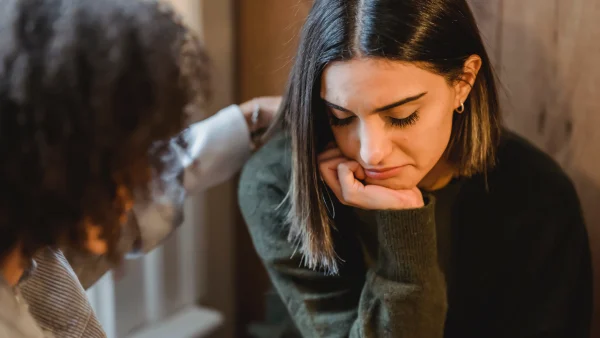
(403, 294)
(217, 148)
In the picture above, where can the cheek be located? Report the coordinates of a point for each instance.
(429, 138)
(346, 140)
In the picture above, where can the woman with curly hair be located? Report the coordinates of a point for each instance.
(94, 95)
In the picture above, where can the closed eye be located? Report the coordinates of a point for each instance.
(394, 122)
(404, 122)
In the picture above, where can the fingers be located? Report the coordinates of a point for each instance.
(357, 170)
(330, 145)
(329, 160)
(341, 175)
(329, 174)
(350, 186)
(344, 177)
(270, 103)
(267, 106)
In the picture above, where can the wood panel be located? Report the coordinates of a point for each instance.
(547, 53)
(489, 18)
(267, 39)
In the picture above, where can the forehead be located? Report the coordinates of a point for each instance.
(376, 81)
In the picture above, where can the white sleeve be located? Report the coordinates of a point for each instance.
(218, 147)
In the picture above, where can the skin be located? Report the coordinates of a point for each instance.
(385, 152)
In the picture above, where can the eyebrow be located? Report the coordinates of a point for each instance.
(381, 109)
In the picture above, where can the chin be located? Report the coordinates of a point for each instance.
(395, 183)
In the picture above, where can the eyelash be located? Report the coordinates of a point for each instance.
(401, 123)
(405, 122)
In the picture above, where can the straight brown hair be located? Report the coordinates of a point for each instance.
(437, 35)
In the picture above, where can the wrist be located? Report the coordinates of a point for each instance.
(416, 204)
(249, 111)
(407, 200)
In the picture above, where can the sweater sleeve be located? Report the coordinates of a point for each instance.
(403, 296)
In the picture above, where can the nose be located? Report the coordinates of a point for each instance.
(375, 146)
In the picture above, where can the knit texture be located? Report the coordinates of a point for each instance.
(515, 252)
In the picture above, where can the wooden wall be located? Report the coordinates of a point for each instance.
(547, 53)
(267, 34)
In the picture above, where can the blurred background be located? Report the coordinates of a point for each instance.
(207, 281)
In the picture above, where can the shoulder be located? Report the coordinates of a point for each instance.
(271, 165)
(261, 194)
(535, 172)
(527, 181)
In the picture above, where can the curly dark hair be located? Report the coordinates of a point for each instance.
(87, 87)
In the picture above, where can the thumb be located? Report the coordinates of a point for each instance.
(357, 170)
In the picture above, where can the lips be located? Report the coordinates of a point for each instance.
(384, 173)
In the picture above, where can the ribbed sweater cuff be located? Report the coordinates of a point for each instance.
(408, 245)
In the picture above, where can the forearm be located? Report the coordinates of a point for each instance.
(217, 149)
(405, 291)
(403, 294)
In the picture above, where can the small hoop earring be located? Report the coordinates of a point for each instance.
(461, 108)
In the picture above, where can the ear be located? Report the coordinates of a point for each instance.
(463, 86)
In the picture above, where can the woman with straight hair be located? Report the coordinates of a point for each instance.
(393, 203)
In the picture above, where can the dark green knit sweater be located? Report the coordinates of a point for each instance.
(507, 260)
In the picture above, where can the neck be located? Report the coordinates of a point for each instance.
(13, 266)
(439, 177)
